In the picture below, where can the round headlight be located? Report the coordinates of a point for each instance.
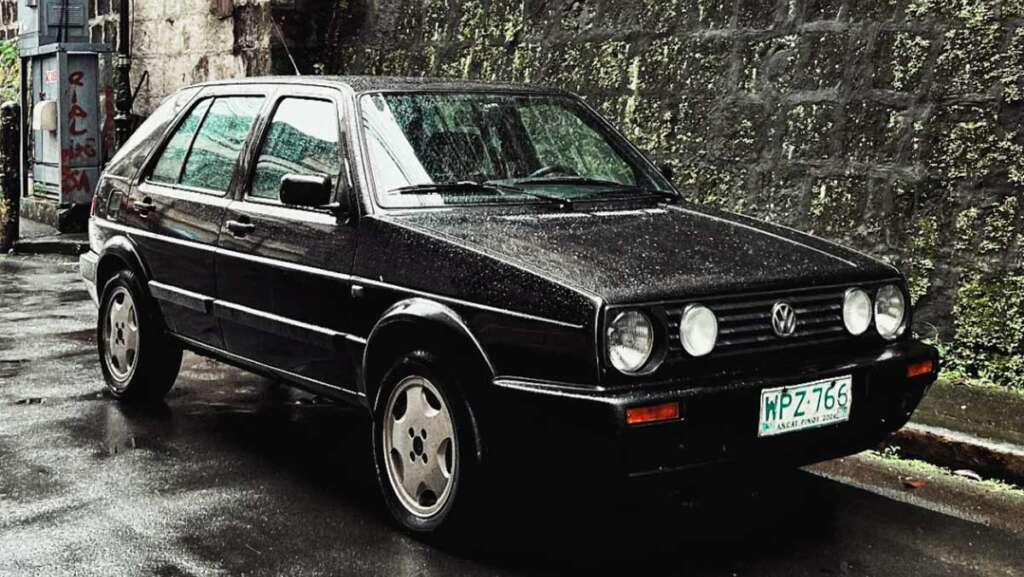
(857, 311)
(698, 330)
(890, 312)
(630, 341)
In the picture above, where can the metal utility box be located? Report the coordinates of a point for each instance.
(67, 108)
(45, 22)
(68, 160)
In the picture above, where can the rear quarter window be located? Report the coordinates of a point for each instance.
(130, 158)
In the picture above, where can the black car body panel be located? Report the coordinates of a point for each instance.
(323, 297)
(652, 253)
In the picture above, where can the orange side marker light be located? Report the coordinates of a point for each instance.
(652, 414)
(920, 369)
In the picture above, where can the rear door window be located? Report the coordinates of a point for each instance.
(211, 161)
(129, 160)
(168, 167)
(302, 140)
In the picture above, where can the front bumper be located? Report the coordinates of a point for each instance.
(586, 429)
(87, 265)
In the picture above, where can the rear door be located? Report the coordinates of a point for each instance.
(179, 205)
(282, 271)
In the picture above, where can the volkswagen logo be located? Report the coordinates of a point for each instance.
(784, 319)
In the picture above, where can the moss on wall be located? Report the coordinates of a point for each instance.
(891, 125)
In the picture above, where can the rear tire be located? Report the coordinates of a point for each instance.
(140, 361)
(424, 447)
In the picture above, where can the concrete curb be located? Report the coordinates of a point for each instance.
(957, 450)
(71, 246)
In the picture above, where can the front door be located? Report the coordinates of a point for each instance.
(282, 270)
(179, 205)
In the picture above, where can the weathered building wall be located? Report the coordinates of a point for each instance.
(182, 42)
(891, 125)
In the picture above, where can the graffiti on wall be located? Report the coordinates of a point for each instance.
(81, 145)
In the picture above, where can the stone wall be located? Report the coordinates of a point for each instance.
(894, 126)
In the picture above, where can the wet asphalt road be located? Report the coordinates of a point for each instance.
(239, 476)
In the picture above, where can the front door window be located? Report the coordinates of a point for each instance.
(302, 140)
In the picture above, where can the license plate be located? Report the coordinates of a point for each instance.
(806, 406)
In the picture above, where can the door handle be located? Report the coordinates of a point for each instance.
(143, 207)
(239, 228)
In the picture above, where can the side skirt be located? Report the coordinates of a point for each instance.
(299, 381)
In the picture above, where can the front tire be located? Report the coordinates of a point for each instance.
(423, 446)
(140, 362)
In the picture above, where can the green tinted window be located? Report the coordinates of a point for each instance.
(130, 158)
(564, 140)
(302, 140)
(211, 162)
(168, 168)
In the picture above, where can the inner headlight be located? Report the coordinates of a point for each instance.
(890, 312)
(630, 341)
(698, 330)
(857, 311)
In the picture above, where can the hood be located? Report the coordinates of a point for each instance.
(648, 254)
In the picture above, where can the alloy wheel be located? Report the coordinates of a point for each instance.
(420, 451)
(121, 335)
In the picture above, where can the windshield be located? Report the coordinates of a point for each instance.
(436, 149)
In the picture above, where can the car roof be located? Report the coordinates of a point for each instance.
(360, 84)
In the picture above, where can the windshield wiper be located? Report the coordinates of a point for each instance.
(665, 196)
(460, 187)
(585, 180)
(559, 201)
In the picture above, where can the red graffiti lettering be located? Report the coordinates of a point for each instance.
(73, 116)
(75, 180)
(79, 150)
(76, 112)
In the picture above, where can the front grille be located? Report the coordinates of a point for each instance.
(745, 323)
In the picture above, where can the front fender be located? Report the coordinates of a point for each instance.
(420, 323)
(416, 323)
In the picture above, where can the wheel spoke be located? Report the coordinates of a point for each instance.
(434, 477)
(400, 438)
(414, 479)
(416, 406)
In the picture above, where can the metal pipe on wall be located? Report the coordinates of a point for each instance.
(123, 99)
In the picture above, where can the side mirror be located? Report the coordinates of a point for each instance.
(302, 190)
(667, 171)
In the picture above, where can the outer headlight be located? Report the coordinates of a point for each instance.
(890, 312)
(698, 330)
(857, 311)
(630, 341)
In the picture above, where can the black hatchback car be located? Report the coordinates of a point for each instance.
(490, 271)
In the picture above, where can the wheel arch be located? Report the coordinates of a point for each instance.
(119, 253)
(419, 323)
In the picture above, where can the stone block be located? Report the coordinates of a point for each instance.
(902, 59)
(837, 204)
(875, 131)
(695, 65)
(808, 131)
(768, 63)
(758, 14)
(740, 131)
(823, 60)
(815, 10)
